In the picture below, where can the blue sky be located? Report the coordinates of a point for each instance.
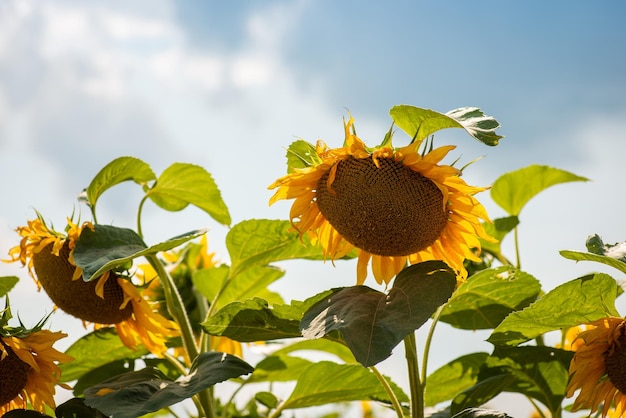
(229, 85)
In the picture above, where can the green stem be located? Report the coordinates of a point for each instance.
(204, 338)
(394, 399)
(429, 339)
(518, 264)
(417, 390)
(176, 309)
(139, 210)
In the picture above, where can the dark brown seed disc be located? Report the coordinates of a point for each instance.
(388, 211)
(615, 361)
(13, 375)
(76, 297)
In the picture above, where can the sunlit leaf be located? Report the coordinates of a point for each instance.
(301, 154)
(372, 323)
(267, 399)
(326, 382)
(331, 347)
(420, 123)
(183, 184)
(498, 229)
(514, 189)
(7, 283)
(256, 320)
(109, 247)
(487, 297)
(252, 282)
(573, 303)
(278, 368)
(580, 256)
(137, 393)
(94, 350)
(452, 378)
(262, 241)
(117, 171)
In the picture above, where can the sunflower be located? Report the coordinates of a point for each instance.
(105, 301)
(598, 368)
(395, 206)
(29, 369)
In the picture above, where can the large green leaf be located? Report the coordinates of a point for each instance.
(100, 374)
(75, 408)
(481, 413)
(328, 346)
(452, 378)
(94, 350)
(278, 368)
(109, 248)
(117, 171)
(420, 123)
(7, 283)
(137, 393)
(256, 320)
(252, 282)
(262, 241)
(372, 323)
(183, 184)
(484, 390)
(580, 256)
(573, 303)
(514, 189)
(486, 298)
(326, 382)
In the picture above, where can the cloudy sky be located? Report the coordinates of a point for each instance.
(229, 85)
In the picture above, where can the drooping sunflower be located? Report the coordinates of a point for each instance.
(598, 368)
(106, 301)
(394, 205)
(29, 368)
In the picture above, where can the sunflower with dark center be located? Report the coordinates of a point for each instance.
(395, 206)
(598, 368)
(29, 369)
(106, 301)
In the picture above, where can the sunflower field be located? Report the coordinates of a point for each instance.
(171, 330)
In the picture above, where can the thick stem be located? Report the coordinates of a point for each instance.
(417, 390)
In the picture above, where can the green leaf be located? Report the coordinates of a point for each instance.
(372, 323)
(117, 171)
(278, 368)
(256, 320)
(100, 374)
(109, 248)
(301, 154)
(76, 408)
(487, 297)
(7, 283)
(420, 123)
(481, 413)
(483, 391)
(514, 189)
(94, 350)
(183, 184)
(252, 282)
(580, 256)
(328, 346)
(349, 382)
(266, 399)
(540, 372)
(452, 378)
(261, 241)
(573, 303)
(137, 393)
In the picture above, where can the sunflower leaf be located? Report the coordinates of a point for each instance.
(349, 382)
(514, 189)
(117, 171)
(420, 123)
(482, 392)
(256, 320)
(94, 350)
(481, 413)
(498, 229)
(573, 303)
(7, 283)
(372, 323)
(450, 379)
(183, 184)
(487, 297)
(301, 154)
(580, 256)
(263, 241)
(108, 248)
(137, 393)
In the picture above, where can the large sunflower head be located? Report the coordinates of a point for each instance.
(107, 300)
(394, 205)
(598, 368)
(29, 368)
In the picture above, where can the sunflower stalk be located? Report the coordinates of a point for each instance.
(417, 389)
(394, 399)
(176, 309)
